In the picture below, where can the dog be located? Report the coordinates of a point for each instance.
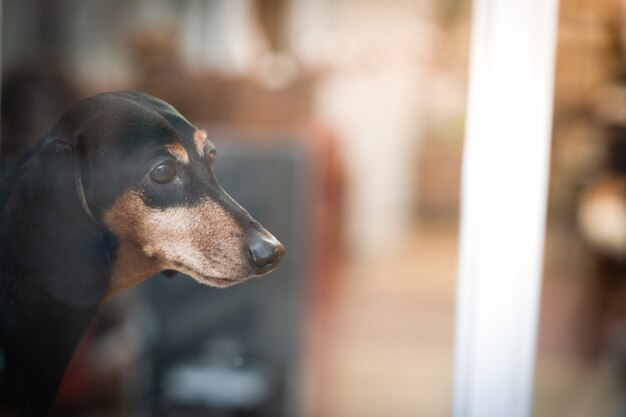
(122, 188)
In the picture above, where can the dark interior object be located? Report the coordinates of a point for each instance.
(247, 336)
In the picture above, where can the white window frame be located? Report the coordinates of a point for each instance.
(504, 187)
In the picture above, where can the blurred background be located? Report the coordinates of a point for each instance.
(339, 125)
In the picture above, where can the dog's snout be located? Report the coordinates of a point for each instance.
(265, 253)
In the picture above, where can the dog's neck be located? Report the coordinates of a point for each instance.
(131, 266)
(38, 336)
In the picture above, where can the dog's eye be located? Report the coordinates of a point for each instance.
(164, 172)
(212, 156)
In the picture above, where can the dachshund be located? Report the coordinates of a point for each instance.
(122, 188)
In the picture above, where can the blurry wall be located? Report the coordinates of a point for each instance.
(96, 40)
(375, 59)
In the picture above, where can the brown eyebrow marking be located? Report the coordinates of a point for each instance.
(200, 140)
(179, 152)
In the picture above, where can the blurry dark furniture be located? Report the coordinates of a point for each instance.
(237, 349)
(32, 99)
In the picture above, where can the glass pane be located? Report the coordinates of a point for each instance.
(338, 127)
(581, 352)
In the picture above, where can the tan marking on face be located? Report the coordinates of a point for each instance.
(202, 241)
(179, 152)
(200, 140)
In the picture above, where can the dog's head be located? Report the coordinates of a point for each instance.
(142, 188)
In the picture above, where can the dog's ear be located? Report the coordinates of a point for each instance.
(56, 239)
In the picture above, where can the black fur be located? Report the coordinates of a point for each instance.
(48, 291)
(55, 254)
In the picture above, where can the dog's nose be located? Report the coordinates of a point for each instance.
(265, 253)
